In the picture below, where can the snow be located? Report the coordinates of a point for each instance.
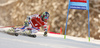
(51, 41)
(75, 38)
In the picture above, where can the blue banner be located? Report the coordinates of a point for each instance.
(78, 5)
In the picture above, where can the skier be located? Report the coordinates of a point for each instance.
(34, 22)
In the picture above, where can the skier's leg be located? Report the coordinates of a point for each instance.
(23, 27)
(33, 31)
(19, 29)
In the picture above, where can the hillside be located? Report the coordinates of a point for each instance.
(14, 12)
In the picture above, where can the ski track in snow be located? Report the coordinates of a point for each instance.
(52, 41)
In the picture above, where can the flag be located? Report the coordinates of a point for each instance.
(78, 4)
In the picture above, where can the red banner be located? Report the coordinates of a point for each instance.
(84, 1)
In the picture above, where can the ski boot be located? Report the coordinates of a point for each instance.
(32, 34)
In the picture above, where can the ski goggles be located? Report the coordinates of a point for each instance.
(45, 17)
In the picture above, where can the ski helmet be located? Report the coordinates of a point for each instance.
(45, 15)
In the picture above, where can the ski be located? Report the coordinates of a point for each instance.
(14, 32)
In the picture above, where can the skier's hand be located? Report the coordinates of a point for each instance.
(45, 34)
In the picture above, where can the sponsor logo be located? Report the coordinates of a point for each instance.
(78, 7)
(36, 24)
(84, 1)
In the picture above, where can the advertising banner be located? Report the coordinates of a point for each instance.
(78, 4)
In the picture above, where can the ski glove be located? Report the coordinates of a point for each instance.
(45, 33)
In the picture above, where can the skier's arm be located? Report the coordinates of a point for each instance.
(45, 29)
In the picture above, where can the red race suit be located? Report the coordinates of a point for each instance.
(36, 22)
